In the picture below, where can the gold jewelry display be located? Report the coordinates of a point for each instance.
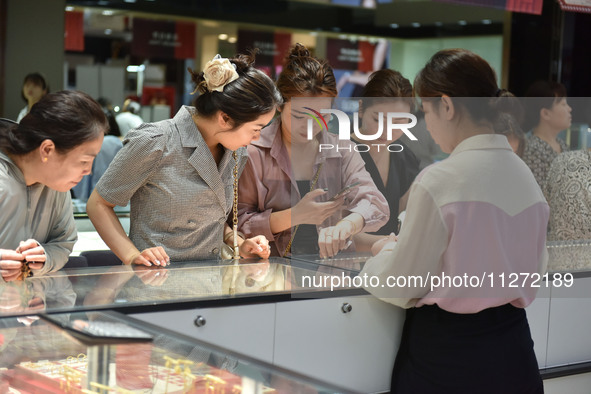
(312, 187)
(25, 271)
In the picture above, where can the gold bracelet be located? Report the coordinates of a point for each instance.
(353, 224)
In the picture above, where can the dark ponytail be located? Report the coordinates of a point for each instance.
(471, 82)
(68, 118)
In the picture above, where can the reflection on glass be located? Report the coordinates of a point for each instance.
(34, 295)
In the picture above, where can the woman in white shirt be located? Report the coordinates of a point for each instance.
(471, 219)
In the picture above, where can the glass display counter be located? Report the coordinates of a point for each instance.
(177, 286)
(290, 313)
(105, 352)
(267, 310)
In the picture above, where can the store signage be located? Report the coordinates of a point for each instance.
(350, 55)
(576, 5)
(272, 49)
(74, 31)
(524, 6)
(163, 39)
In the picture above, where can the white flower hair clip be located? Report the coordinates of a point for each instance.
(219, 72)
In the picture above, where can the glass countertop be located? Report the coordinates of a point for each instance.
(55, 355)
(352, 261)
(204, 283)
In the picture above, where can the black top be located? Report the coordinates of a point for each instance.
(404, 167)
(306, 238)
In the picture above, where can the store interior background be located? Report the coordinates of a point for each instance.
(521, 47)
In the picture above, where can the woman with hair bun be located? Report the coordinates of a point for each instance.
(289, 189)
(179, 173)
(41, 159)
(471, 219)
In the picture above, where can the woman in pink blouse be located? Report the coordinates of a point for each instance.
(472, 220)
(288, 183)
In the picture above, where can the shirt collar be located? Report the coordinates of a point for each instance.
(482, 141)
(190, 135)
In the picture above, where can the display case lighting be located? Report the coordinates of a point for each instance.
(135, 69)
(394, 25)
(415, 24)
(232, 40)
(223, 36)
(487, 21)
(462, 22)
(108, 31)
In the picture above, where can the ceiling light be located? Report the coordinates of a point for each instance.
(108, 31)
(394, 25)
(69, 8)
(415, 24)
(486, 21)
(223, 37)
(107, 12)
(232, 40)
(462, 23)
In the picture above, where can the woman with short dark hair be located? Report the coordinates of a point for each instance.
(41, 159)
(34, 88)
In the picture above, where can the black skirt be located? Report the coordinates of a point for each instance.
(486, 352)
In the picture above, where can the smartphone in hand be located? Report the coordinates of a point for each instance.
(344, 191)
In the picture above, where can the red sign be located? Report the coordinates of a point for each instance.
(350, 55)
(164, 39)
(74, 31)
(272, 48)
(525, 6)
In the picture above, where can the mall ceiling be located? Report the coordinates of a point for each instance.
(404, 19)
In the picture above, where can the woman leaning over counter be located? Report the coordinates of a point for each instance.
(480, 212)
(393, 172)
(179, 173)
(281, 190)
(41, 159)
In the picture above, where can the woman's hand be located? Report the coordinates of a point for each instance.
(310, 211)
(10, 264)
(151, 256)
(333, 239)
(33, 253)
(255, 247)
(390, 240)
